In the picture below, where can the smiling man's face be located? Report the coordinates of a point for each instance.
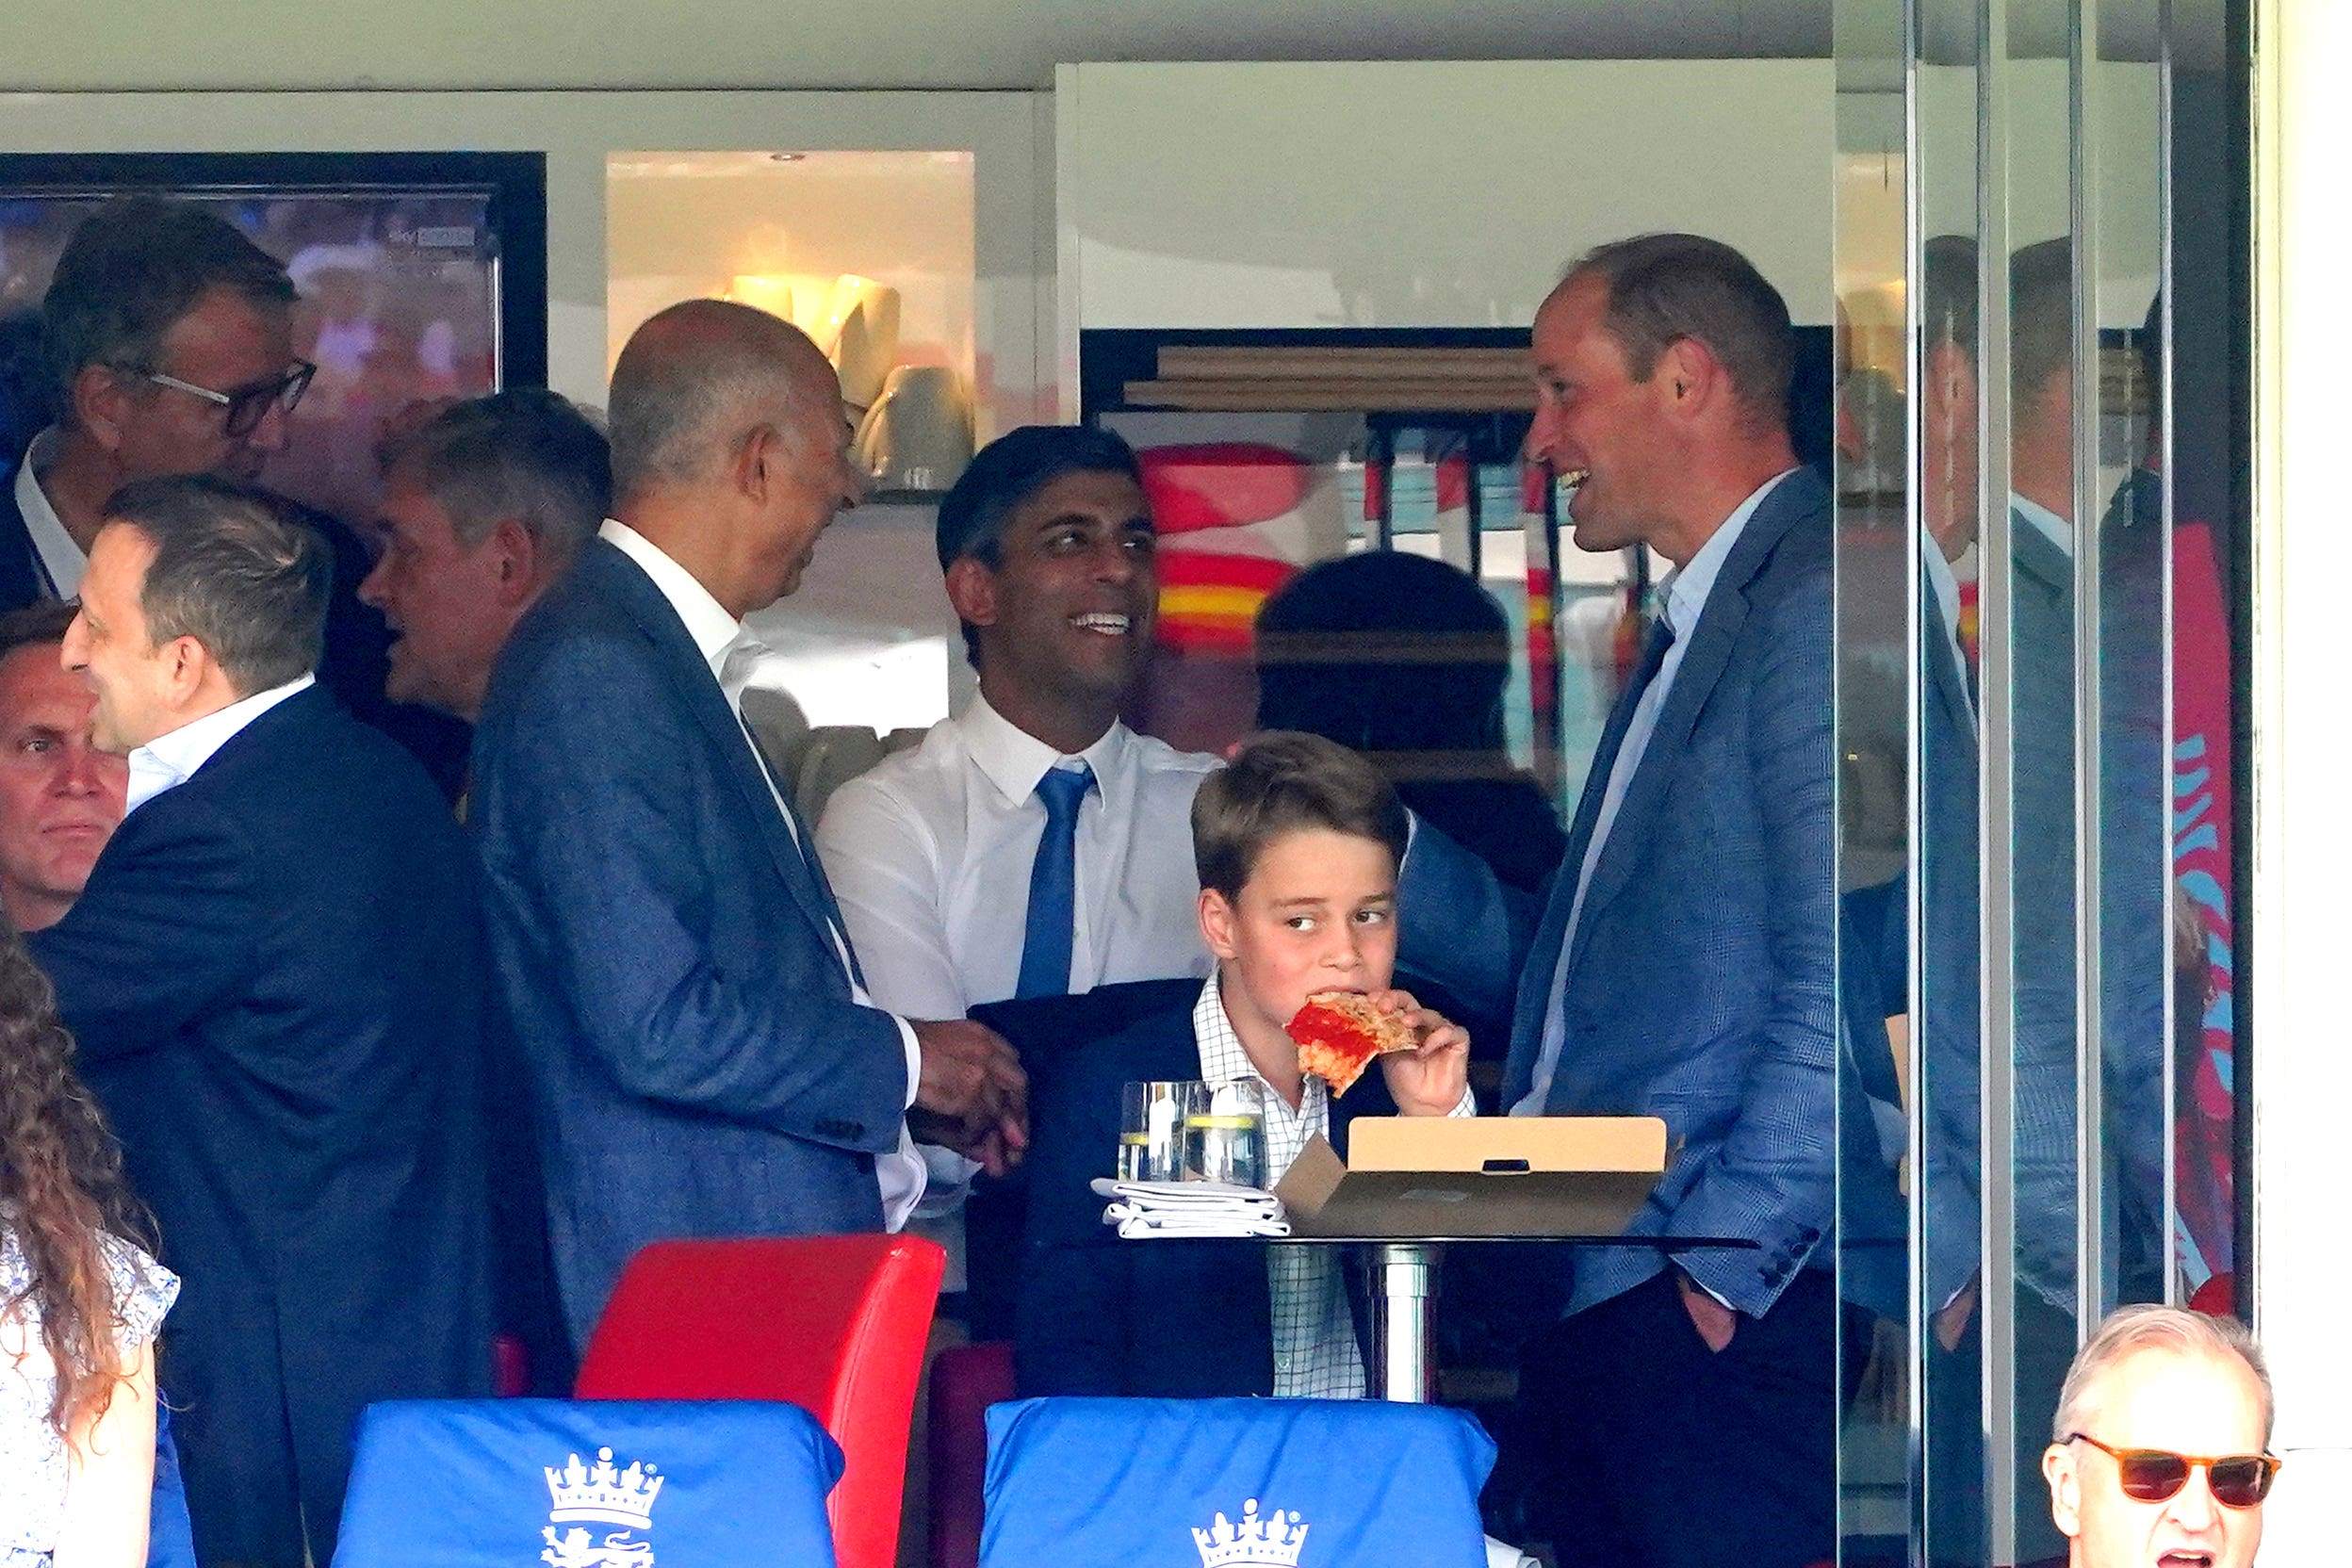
(1069, 607)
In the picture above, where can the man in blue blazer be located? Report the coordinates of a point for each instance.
(705, 1059)
(1685, 1412)
(275, 978)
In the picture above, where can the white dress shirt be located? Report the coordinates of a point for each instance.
(172, 759)
(1946, 588)
(930, 854)
(60, 559)
(715, 634)
(1316, 1354)
(1686, 592)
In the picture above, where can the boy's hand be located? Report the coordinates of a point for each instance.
(1429, 1080)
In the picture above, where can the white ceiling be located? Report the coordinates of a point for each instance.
(145, 44)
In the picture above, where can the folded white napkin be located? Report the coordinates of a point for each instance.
(1190, 1209)
(1502, 1554)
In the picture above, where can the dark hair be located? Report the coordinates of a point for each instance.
(1666, 287)
(2041, 306)
(529, 454)
(1280, 783)
(234, 568)
(61, 1192)
(130, 272)
(1385, 651)
(1011, 469)
(42, 621)
(2041, 316)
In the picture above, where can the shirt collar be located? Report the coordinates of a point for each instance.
(1013, 759)
(1687, 589)
(2047, 523)
(1946, 586)
(1223, 1059)
(171, 760)
(61, 559)
(712, 630)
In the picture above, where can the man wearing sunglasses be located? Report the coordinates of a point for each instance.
(167, 340)
(2160, 1454)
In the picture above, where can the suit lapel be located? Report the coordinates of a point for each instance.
(1704, 654)
(1951, 683)
(1535, 984)
(699, 689)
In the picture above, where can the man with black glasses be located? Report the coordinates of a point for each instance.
(2161, 1444)
(168, 347)
(167, 341)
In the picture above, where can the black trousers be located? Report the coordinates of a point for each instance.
(1648, 1449)
(1957, 1508)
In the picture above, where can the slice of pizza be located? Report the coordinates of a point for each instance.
(1340, 1032)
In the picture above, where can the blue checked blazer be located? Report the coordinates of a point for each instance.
(699, 1066)
(1701, 987)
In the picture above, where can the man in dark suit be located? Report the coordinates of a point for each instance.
(705, 1059)
(167, 341)
(1684, 1411)
(2132, 853)
(274, 975)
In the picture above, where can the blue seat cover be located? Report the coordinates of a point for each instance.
(1233, 1484)
(588, 1485)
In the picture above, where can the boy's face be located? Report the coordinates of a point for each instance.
(1318, 914)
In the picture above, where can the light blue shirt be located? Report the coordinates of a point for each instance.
(1686, 594)
(171, 760)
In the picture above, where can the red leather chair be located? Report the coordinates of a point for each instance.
(836, 1324)
(965, 1381)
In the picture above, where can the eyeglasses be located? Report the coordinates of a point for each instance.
(248, 405)
(2155, 1475)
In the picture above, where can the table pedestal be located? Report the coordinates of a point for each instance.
(1401, 1277)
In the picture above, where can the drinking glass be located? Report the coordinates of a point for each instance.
(1225, 1132)
(1150, 1130)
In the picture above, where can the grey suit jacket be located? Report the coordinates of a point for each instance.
(699, 1067)
(1700, 984)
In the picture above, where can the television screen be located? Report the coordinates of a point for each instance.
(398, 305)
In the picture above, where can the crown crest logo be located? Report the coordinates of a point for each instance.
(603, 1494)
(1274, 1542)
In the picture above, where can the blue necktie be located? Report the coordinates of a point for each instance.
(1054, 885)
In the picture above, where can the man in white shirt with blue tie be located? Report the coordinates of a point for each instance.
(1033, 846)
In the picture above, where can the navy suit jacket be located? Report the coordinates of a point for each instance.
(699, 1067)
(22, 578)
(1701, 985)
(275, 978)
(1146, 1320)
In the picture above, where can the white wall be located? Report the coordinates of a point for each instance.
(1423, 195)
(2302, 1069)
(577, 130)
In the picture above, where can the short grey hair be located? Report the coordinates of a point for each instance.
(2127, 1330)
(529, 454)
(235, 568)
(693, 384)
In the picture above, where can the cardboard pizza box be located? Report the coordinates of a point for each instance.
(1477, 1176)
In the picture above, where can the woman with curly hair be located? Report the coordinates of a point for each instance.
(79, 1305)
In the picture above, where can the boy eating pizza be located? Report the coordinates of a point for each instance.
(1298, 843)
